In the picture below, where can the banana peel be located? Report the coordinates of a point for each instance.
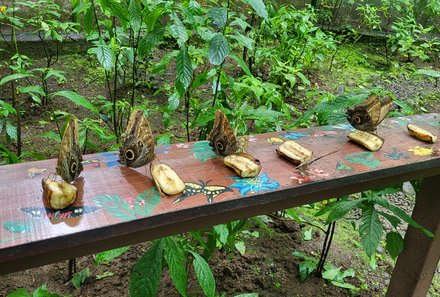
(368, 140)
(167, 181)
(421, 134)
(243, 164)
(294, 152)
(58, 194)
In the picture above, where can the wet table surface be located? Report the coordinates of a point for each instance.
(118, 206)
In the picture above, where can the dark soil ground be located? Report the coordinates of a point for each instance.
(268, 266)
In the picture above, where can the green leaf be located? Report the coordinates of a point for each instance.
(77, 99)
(22, 292)
(222, 233)
(148, 41)
(12, 77)
(428, 72)
(173, 102)
(370, 230)
(176, 260)
(80, 277)
(402, 214)
(241, 247)
(331, 273)
(106, 256)
(7, 107)
(163, 139)
(394, 244)
(218, 16)
(11, 130)
(204, 275)
(344, 285)
(52, 135)
(88, 20)
(115, 9)
(243, 40)
(145, 277)
(184, 69)
(178, 30)
(394, 221)
(104, 275)
(134, 11)
(260, 8)
(218, 49)
(43, 292)
(31, 89)
(105, 55)
(306, 268)
(308, 234)
(340, 208)
(242, 64)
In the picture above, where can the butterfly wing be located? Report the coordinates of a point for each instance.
(137, 141)
(69, 164)
(222, 138)
(368, 115)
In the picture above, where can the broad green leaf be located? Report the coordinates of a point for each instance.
(175, 257)
(242, 64)
(115, 8)
(106, 256)
(394, 221)
(344, 285)
(341, 208)
(31, 89)
(105, 55)
(88, 20)
(163, 139)
(218, 16)
(80, 277)
(12, 77)
(184, 69)
(148, 41)
(291, 213)
(331, 273)
(11, 131)
(428, 72)
(222, 232)
(218, 49)
(22, 292)
(173, 102)
(52, 135)
(241, 247)
(306, 268)
(370, 230)
(135, 14)
(43, 292)
(243, 40)
(77, 99)
(260, 8)
(394, 244)
(178, 30)
(308, 234)
(7, 107)
(204, 275)
(145, 277)
(402, 214)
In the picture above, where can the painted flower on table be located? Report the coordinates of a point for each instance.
(303, 175)
(32, 172)
(182, 145)
(293, 135)
(203, 151)
(275, 140)
(261, 183)
(422, 151)
(324, 133)
(163, 149)
(110, 159)
(338, 127)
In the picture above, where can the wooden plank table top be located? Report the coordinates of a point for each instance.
(117, 205)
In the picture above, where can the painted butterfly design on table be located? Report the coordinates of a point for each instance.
(222, 138)
(209, 191)
(69, 164)
(368, 115)
(137, 141)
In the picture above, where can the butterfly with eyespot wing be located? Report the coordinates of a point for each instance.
(368, 115)
(137, 141)
(69, 164)
(209, 191)
(222, 138)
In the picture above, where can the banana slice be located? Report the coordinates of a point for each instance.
(166, 179)
(244, 164)
(421, 134)
(368, 140)
(58, 194)
(294, 152)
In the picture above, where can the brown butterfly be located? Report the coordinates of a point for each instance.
(137, 141)
(222, 138)
(69, 164)
(368, 115)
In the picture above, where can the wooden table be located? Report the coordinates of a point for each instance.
(119, 206)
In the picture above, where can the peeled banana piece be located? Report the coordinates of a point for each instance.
(368, 140)
(421, 134)
(58, 194)
(244, 164)
(166, 179)
(294, 152)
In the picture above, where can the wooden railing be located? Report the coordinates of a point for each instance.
(117, 206)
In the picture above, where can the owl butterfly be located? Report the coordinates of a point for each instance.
(69, 164)
(368, 115)
(222, 138)
(137, 141)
